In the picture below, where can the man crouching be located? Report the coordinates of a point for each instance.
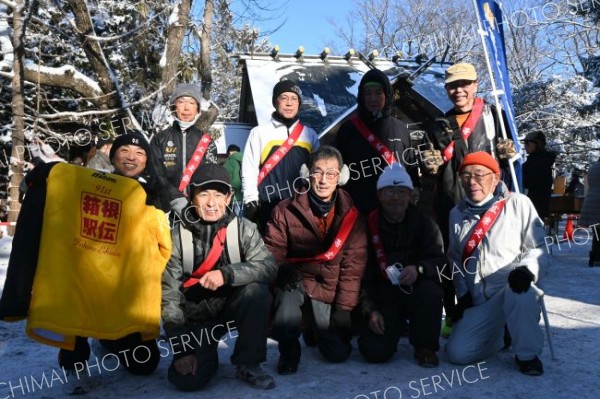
(219, 272)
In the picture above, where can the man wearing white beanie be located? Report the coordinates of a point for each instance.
(400, 282)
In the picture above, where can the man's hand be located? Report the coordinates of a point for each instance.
(250, 210)
(409, 275)
(186, 365)
(212, 280)
(178, 205)
(288, 277)
(463, 303)
(519, 279)
(432, 160)
(376, 323)
(506, 149)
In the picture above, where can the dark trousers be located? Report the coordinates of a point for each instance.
(245, 316)
(137, 356)
(423, 308)
(292, 310)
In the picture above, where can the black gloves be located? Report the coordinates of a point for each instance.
(340, 319)
(464, 303)
(250, 210)
(288, 277)
(519, 279)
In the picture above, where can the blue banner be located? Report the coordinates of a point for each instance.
(490, 17)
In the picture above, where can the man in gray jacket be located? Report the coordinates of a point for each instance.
(216, 282)
(496, 257)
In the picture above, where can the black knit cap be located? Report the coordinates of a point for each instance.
(286, 86)
(211, 175)
(130, 138)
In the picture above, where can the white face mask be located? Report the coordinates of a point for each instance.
(186, 125)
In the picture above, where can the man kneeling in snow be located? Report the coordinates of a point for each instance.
(496, 254)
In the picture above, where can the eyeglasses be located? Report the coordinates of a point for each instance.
(394, 192)
(289, 99)
(478, 177)
(329, 174)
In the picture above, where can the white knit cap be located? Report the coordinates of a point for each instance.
(394, 175)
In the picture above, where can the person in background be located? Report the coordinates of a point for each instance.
(374, 139)
(498, 259)
(182, 147)
(590, 211)
(100, 160)
(401, 282)
(537, 172)
(274, 153)
(233, 164)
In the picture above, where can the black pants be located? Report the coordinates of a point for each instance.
(245, 316)
(137, 356)
(292, 309)
(423, 308)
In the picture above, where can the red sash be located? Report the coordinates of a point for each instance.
(195, 160)
(385, 152)
(482, 227)
(278, 155)
(466, 129)
(211, 260)
(338, 242)
(382, 262)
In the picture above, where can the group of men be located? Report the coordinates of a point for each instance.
(334, 255)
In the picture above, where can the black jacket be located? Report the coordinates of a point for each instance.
(171, 156)
(537, 171)
(416, 240)
(365, 162)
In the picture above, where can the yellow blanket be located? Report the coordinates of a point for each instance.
(102, 253)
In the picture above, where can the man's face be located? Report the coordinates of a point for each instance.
(374, 98)
(186, 109)
(130, 160)
(210, 204)
(478, 182)
(394, 201)
(530, 146)
(288, 105)
(462, 94)
(324, 177)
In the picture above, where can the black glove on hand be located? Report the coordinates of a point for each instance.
(520, 279)
(250, 210)
(340, 319)
(288, 278)
(464, 303)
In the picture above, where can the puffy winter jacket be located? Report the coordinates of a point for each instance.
(293, 233)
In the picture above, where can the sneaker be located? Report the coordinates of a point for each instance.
(530, 367)
(255, 376)
(76, 385)
(426, 358)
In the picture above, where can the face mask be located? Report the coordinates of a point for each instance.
(187, 125)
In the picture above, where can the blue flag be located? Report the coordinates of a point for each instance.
(490, 17)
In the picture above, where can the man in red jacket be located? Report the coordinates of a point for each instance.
(319, 241)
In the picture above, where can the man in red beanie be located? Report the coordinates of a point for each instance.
(496, 259)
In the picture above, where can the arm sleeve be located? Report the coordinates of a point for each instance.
(352, 267)
(455, 261)
(276, 235)
(535, 256)
(250, 167)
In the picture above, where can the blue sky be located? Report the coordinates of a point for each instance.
(308, 24)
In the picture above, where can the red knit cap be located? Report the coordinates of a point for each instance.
(480, 158)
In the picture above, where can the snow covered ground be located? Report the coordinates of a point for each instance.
(572, 300)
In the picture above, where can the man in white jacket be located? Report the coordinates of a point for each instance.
(274, 153)
(496, 256)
